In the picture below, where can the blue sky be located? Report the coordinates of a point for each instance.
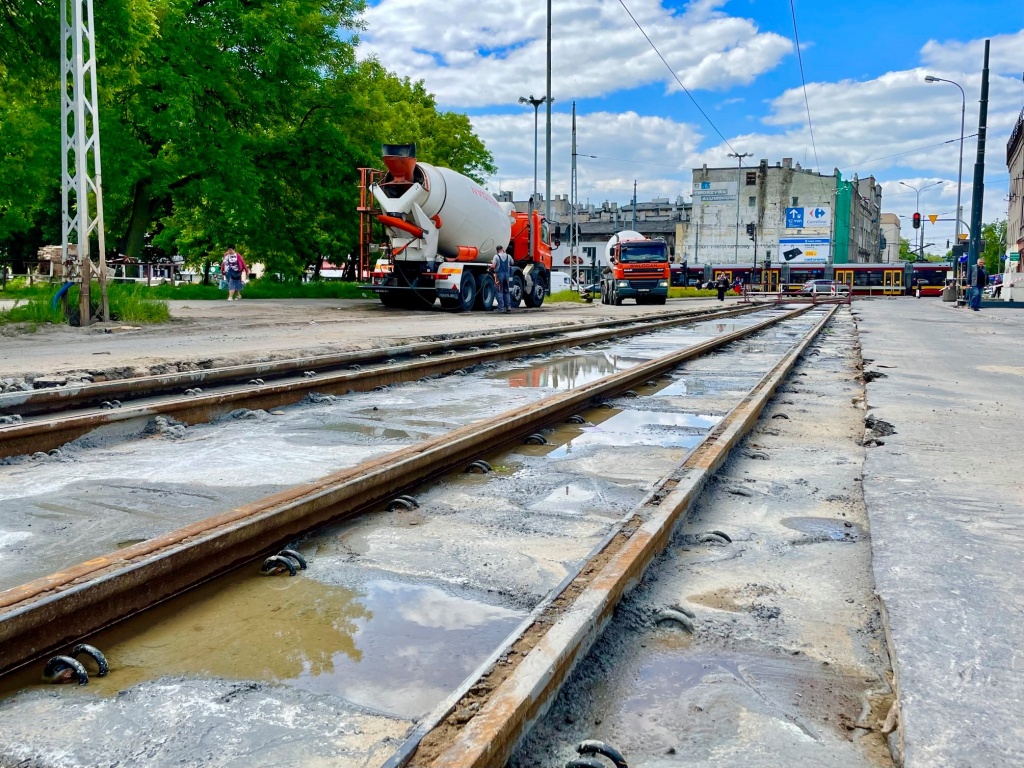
(864, 64)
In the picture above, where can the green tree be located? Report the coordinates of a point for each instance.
(222, 122)
(905, 254)
(994, 235)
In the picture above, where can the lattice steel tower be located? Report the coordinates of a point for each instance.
(81, 188)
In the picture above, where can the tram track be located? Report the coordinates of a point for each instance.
(46, 419)
(45, 614)
(101, 591)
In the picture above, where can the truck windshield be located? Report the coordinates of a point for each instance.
(643, 252)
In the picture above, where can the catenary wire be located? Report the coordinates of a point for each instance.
(674, 75)
(803, 81)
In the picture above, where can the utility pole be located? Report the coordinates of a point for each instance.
(739, 180)
(547, 146)
(978, 193)
(535, 103)
(80, 144)
(574, 244)
(633, 225)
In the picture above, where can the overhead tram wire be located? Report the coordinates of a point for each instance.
(674, 75)
(803, 81)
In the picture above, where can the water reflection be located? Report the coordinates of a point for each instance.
(649, 428)
(569, 372)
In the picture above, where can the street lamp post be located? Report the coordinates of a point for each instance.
(739, 178)
(917, 209)
(535, 103)
(960, 172)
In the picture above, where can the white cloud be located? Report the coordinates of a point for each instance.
(655, 151)
(474, 53)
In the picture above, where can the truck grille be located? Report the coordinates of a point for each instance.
(638, 284)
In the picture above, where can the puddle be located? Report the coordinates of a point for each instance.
(568, 373)
(372, 430)
(633, 428)
(817, 529)
(388, 646)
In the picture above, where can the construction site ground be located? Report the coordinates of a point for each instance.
(211, 333)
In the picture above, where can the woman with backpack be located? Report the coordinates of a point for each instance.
(232, 267)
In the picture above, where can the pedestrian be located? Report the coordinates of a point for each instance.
(232, 267)
(978, 282)
(722, 285)
(501, 268)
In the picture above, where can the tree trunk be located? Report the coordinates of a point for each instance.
(206, 272)
(141, 218)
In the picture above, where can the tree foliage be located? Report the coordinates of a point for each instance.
(994, 235)
(222, 122)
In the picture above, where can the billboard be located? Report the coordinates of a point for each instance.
(805, 218)
(706, 192)
(804, 250)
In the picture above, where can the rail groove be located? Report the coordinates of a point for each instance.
(46, 433)
(46, 613)
(481, 724)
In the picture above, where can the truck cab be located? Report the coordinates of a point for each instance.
(637, 269)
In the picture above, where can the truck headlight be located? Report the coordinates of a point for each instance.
(663, 283)
(623, 284)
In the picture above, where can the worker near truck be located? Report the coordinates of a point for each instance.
(501, 268)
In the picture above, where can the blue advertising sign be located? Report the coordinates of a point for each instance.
(794, 218)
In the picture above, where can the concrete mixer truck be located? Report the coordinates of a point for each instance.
(442, 230)
(638, 269)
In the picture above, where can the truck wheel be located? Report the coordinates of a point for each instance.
(486, 292)
(616, 299)
(535, 297)
(467, 293)
(515, 291)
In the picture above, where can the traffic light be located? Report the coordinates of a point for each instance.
(917, 220)
(750, 230)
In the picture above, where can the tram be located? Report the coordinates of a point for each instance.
(863, 279)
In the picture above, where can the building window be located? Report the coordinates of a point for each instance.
(796, 201)
(751, 201)
(751, 178)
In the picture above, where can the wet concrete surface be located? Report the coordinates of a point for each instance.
(787, 663)
(945, 493)
(135, 480)
(396, 607)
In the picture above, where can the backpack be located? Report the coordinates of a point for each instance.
(232, 271)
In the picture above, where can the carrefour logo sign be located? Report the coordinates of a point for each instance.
(799, 218)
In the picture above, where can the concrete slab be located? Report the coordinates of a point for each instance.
(945, 497)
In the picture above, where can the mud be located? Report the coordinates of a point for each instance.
(787, 663)
(135, 480)
(396, 607)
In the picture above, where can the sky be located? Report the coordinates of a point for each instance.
(864, 63)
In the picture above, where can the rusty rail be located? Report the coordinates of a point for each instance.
(47, 613)
(503, 700)
(45, 433)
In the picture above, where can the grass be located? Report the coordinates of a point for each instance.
(566, 296)
(35, 312)
(265, 289)
(690, 293)
(128, 304)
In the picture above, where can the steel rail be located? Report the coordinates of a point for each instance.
(497, 707)
(48, 432)
(53, 399)
(49, 612)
